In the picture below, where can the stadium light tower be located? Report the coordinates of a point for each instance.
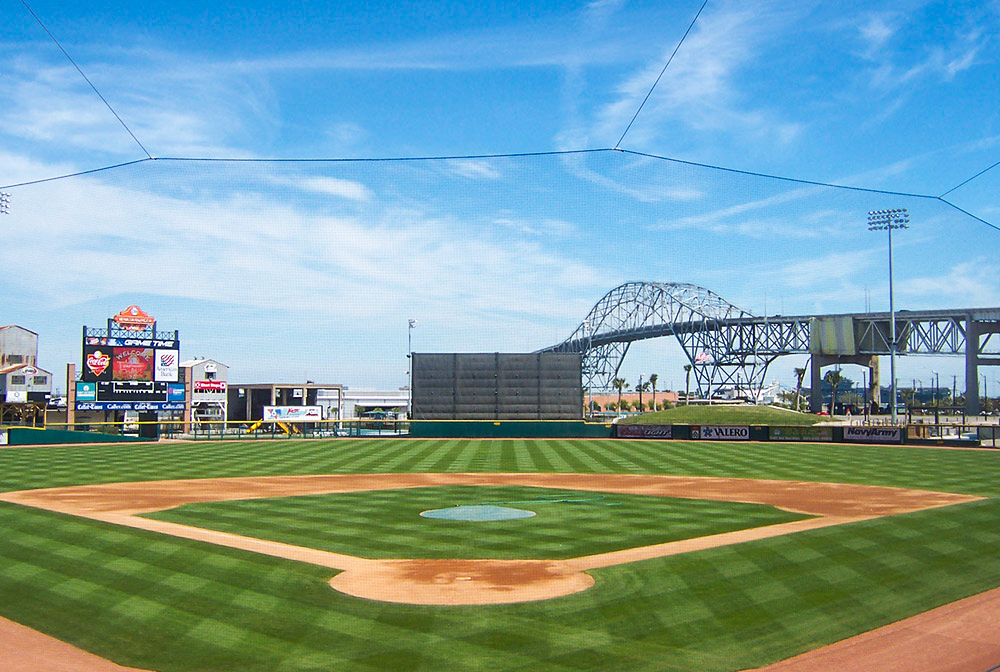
(409, 369)
(878, 220)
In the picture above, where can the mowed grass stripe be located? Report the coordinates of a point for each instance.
(387, 524)
(974, 472)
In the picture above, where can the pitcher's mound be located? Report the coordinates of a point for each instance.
(461, 581)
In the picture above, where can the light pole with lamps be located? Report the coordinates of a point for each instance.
(897, 218)
(937, 383)
(409, 369)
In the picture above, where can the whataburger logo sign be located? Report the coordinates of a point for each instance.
(134, 318)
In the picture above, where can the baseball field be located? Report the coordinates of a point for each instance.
(636, 555)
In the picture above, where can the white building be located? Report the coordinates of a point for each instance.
(358, 402)
(206, 381)
(21, 381)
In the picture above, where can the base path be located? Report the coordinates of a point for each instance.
(963, 636)
(27, 650)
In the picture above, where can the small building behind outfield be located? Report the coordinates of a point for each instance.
(387, 404)
(207, 384)
(246, 402)
(24, 387)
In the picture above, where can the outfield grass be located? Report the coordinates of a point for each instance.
(387, 523)
(171, 604)
(726, 415)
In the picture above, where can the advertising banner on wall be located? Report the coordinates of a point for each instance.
(16, 396)
(644, 431)
(96, 363)
(293, 413)
(129, 406)
(132, 364)
(167, 366)
(86, 392)
(207, 386)
(873, 434)
(134, 395)
(721, 433)
(801, 434)
(131, 342)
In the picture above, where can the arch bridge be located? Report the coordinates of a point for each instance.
(728, 346)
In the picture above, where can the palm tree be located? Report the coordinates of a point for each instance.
(800, 375)
(833, 378)
(640, 388)
(619, 384)
(652, 381)
(687, 384)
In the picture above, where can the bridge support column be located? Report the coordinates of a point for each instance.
(817, 362)
(874, 384)
(972, 407)
(815, 384)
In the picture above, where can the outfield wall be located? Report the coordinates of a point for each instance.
(510, 429)
(30, 436)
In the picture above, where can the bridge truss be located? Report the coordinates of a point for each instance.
(728, 346)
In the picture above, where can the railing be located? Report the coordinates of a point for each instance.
(242, 429)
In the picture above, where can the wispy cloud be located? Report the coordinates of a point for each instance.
(474, 169)
(701, 89)
(333, 186)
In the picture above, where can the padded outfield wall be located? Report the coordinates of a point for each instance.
(497, 386)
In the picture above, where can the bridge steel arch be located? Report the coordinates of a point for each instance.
(719, 339)
(726, 345)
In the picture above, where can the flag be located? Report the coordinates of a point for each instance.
(702, 357)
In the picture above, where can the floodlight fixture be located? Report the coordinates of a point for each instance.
(4, 203)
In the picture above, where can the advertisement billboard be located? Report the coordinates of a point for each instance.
(801, 434)
(96, 363)
(132, 364)
(86, 392)
(135, 395)
(644, 431)
(721, 433)
(207, 386)
(873, 434)
(167, 366)
(128, 406)
(293, 413)
(130, 348)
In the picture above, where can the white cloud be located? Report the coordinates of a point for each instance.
(474, 169)
(333, 186)
(970, 284)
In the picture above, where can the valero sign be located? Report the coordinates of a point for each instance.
(721, 433)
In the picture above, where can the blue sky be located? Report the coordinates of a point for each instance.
(294, 270)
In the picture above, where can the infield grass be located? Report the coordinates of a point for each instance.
(169, 604)
(387, 523)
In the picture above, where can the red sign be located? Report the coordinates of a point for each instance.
(134, 318)
(133, 364)
(209, 386)
(97, 362)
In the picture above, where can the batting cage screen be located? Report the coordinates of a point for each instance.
(495, 386)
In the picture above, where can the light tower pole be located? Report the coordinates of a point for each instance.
(409, 369)
(897, 218)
